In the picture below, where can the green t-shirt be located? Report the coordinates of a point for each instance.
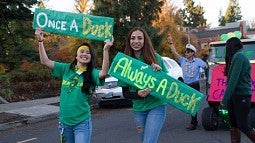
(74, 104)
(149, 101)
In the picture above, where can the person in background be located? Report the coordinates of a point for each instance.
(149, 111)
(237, 96)
(191, 71)
(78, 81)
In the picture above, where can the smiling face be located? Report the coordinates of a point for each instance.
(137, 41)
(83, 55)
(189, 53)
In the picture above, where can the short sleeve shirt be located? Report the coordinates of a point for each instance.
(74, 104)
(191, 69)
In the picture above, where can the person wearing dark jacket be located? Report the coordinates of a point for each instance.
(237, 96)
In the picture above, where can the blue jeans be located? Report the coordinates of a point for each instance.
(80, 133)
(149, 123)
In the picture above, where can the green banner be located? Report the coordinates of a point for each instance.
(74, 24)
(141, 75)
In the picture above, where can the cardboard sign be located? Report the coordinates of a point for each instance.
(74, 24)
(219, 81)
(141, 75)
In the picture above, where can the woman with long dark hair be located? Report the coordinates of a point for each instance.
(78, 81)
(149, 111)
(237, 96)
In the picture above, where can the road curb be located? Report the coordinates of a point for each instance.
(26, 121)
(32, 120)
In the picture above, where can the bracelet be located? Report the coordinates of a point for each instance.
(40, 40)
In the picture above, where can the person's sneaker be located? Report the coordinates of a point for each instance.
(191, 127)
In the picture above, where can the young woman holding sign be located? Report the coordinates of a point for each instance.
(78, 80)
(237, 96)
(149, 111)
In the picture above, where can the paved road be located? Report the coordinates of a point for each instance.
(116, 126)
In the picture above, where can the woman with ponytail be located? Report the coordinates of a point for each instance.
(237, 96)
(78, 81)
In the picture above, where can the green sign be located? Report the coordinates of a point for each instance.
(141, 75)
(74, 24)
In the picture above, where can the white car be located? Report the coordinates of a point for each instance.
(174, 69)
(110, 93)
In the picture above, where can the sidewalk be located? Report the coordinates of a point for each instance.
(27, 112)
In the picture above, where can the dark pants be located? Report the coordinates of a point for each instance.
(196, 86)
(238, 110)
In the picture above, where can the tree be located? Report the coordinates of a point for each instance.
(82, 6)
(16, 32)
(169, 22)
(128, 14)
(193, 16)
(232, 14)
(221, 19)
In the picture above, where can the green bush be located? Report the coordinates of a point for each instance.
(30, 76)
(7, 94)
(28, 85)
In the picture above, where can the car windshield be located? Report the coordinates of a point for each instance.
(217, 52)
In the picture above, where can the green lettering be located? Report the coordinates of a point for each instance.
(174, 89)
(86, 25)
(132, 75)
(107, 29)
(94, 29)
(139, 78)
(177, 96)
(100, 33)
(122, 64)
(193, 103)
(162, 86)
(142, 80)
(183, 97)
(152, 82)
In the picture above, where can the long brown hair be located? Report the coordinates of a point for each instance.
(88, 83)
(148, 52)
(232, 46)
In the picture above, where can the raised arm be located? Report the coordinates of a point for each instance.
(105, 65)
(43, 56)
(172, 48)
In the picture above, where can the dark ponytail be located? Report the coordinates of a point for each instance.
(232, 46)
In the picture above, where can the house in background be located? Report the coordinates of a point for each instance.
(206, 35)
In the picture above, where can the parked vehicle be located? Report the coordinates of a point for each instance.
(111, 94)
(216, 81)
(174, 69)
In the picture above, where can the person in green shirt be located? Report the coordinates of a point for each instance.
(149, 111)
(237, 96)
(78, 81)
